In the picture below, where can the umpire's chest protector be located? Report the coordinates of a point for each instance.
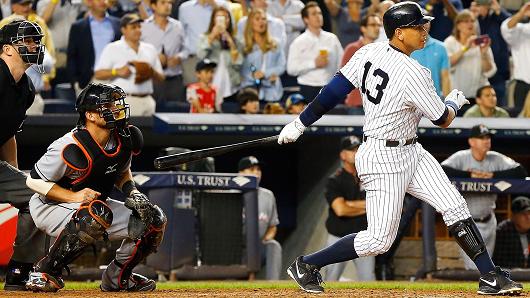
(102, 168)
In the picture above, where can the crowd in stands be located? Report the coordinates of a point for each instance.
(276, 47)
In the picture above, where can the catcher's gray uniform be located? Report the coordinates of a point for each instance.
(481, 205)
(51, 217)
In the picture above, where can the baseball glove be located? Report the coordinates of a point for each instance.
(144, 71)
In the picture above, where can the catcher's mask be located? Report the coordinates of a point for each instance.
(26, 38)
(109, 101)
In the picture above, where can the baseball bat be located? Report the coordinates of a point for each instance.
(167, 161)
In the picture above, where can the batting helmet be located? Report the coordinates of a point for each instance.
(403, 14)
(108, 100)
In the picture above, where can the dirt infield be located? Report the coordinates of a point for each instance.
(372, 293)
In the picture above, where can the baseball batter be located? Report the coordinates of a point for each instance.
(73, 183)
(396, 92)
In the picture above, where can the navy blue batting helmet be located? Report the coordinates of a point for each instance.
(403, 14)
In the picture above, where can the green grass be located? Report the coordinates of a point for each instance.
(404, 285)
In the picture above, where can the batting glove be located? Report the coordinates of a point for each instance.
(291, 132)
(456, 100)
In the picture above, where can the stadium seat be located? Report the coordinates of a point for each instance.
(59, 106)
(65, 91)
(173, 107)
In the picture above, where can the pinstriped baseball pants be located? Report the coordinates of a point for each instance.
(387, 173)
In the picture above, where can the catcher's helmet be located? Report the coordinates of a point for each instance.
(108, 100)
(403, 14)
(20, 34)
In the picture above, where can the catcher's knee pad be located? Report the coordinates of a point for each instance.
(87, 225)
(468, 237)
(92, 219)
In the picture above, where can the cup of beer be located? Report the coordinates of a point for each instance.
(323, 52)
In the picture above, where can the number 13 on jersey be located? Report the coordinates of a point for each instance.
(379, 88)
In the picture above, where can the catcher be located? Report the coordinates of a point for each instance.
(73, 201)
(132, 65)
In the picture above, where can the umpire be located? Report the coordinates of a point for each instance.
(21, 48)
(347, 212)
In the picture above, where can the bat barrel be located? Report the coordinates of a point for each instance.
(168, 161)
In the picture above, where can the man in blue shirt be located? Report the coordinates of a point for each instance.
(434, 57)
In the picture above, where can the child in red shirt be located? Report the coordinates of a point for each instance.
(201, 95)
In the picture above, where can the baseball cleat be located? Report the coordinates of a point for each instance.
(139, 283)
(306, 276)
(44, 282)
(498, 282)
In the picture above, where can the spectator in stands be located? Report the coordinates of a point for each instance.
(201, 95)
(248, 101)
(525, 113)
(88, 37)
(295, 103)
(193, 15)
(264, 60)
(382, 7)
(444, 13)
(132, 64)
(5, 8)
(22, 10)
(434, 57)
(516, 32)
(370, 29)
(512, 6)
(289, 12)
(314, 56)
(348, 19)
(59, 15)
(347, 212)
(37, 108)
(479, 161)
(486, 104)
(167, 36)
(471, 58)
(276, 26)
(267, 220)
(513, 237)
(220, 45)
(273, 108)
(490, 16)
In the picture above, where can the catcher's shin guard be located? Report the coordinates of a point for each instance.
(468, 237)
(87, 225)
(146, 245)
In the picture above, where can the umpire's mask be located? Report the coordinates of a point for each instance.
(26, 38)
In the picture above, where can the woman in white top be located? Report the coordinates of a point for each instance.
(471, 58)
(220, 45)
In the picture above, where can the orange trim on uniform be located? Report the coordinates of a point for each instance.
(89, 168)
(103, 150)
(69, 164)
(97, 218)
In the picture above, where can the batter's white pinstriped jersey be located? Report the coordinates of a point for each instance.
(396, 91)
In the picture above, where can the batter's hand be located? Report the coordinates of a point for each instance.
(291, 132)
(457, 98)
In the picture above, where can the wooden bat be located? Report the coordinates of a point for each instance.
(172, 160)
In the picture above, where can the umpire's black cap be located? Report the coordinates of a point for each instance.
(349, 143)
(403, 14)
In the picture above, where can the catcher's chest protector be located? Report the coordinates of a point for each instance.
(103, 168)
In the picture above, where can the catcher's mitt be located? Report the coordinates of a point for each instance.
(144, 71)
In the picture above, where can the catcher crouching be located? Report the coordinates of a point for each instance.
(73, 182)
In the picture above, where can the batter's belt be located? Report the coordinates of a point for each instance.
(394, 143)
